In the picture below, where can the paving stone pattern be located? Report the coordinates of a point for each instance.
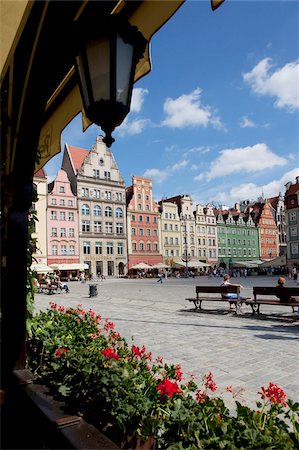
(244, 351)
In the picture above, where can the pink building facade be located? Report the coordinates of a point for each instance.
(143, 224)
(62, 219)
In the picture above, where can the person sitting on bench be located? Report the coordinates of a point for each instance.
(283, 297)
(226, 282)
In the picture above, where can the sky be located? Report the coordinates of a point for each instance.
(217, 117)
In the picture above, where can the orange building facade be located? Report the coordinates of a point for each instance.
(268, 233)
(143, 223)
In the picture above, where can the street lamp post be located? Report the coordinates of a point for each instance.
(186, 259)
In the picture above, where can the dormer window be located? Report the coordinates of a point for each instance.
(101, 161)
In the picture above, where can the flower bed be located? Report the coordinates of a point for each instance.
(143, 403)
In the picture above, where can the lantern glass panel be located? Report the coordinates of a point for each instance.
(98, 56)
(124, 60)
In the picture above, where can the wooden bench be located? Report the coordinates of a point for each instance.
(48, 289)
(271, 291)
(201, 296)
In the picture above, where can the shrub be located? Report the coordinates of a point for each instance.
(133, 399)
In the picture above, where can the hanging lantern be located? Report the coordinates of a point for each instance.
(106, 61)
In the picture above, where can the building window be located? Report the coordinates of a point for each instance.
(139, 196)
(166, 240)
(70, 203)
(71, 216)
(53, 232)
(147, 207)
(140, 231)
(63, 250)
(108, 211)
(101, 161)
(86, 248)
(133, 231)
(110, 268)
(72, 232)
(53, 215)
(109, 248)
(85, 192)
(107, 195)
(97, 226)
(155, 247)
(72, 250)
(119, 228)
(155, 232)
(134, 246)
(133, 218)
(146, 197)
(62, 215)
(155, 220)
(120, 248)
(97, 193)
(148, 246)
(85, 210)
(118, 213)
(108, 227)
(96, 173)
(62, 232)
(85, 225)
(139, 206)
(53, 201)
(141, 246)
(61, 202)
(107, 175)
(148, 232)
(97, 210)
(61, 189)
(148, 219)
(98, 248)
(165, 226)
(140, 218)
(54, 250)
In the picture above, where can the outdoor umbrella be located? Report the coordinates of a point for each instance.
(41, 268)
(160, 266)
(141, 265)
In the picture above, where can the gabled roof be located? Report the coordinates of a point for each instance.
(40, 173)
(293, 189)
(77, 156)
(274, 201)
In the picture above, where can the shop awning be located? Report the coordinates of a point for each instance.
(41, 268)
(73, 266)
(193, 263)
(247, 264)
(275, 262)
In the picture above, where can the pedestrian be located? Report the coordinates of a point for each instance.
(160, 278)
(226, 282)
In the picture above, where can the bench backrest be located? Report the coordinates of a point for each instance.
(217, 290)
(277, 291)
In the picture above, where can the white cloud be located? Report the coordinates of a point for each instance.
(156, 174)
(247, 123)
(251, 191)
(244, 159)
(283, 83)
(186, 111)
(137, 101)
(200, 150)
(159, 175)
(130, 127)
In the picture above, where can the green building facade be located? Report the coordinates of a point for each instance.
(238, 237)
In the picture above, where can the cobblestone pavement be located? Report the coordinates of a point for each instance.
(244, 351)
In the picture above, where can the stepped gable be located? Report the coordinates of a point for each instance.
(77, 156)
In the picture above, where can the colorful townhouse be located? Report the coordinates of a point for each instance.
(40, 207)
(212, 248)
(170, 232)
(62, 218)
(263, 215)
(100, 190)
(187, 220)
(143, 223)
(238, 237)
(201, 233)
(292, 223)
(278, 205)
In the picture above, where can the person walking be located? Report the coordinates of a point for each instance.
(160, 278)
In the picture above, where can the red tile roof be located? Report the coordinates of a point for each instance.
(77, 155)
(40, 173)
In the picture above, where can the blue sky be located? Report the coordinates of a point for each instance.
(217, 117)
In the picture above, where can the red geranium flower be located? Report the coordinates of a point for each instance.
(136, 351)
(109, 353)
(167, 387)
(209, 382)
(274, 393)
(200, 396)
